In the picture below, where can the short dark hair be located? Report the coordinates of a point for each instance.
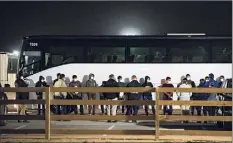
(184, 78)
(74, 76)
(62, 76)
(207, 77)
(221, 76)
(111, 76)
(168, 78)
(134, 76)
(119, 77)
(58, 74)
(187, 75)
(202, 80)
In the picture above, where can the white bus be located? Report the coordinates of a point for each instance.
(155, 56)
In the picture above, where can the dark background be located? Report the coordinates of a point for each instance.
(20, 19)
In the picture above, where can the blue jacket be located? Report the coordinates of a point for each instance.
(207, 84)
(201, 96)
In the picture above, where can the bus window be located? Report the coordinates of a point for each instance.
(221, 52)
(107, 54)
(147, 54)
(187, 51)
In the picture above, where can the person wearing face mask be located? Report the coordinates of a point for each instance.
(168, 96)
(221, 80)
(41, 83)
(76, 95)
(148, 95)
(20, 82)
(211, 80)
(193, 85)
(185, 96)
(91, 95)
(60, 95)
(133, 109)
(121, 95)
(207, 79)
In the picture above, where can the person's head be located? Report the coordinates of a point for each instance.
(41, 78)
(58, 75)
(188, 76)
(207, 78)
(134, 77)
(221, 78)
(74, 78)
(211, 76)
(111, 76)
(147, 79)
(119, 78)
(202, 81)
(168, 79)
(163, 81)
(184, 81)
(91, 76)
(62, 76)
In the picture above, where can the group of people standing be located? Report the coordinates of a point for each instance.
(186, 82)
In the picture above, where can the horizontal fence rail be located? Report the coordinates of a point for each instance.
(157, 117)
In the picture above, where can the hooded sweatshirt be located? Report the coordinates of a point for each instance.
(60, 83)
(207, 84)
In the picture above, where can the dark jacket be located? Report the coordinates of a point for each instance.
(147, 85)
(134, 95)
(21, 95)
(40, 84)
(74, 84)
(200, 96)
(111, 83)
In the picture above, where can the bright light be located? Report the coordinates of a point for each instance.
(130, 31)
(16, 53)
(186, 34)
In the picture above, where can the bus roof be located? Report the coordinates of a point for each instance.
(127, 37)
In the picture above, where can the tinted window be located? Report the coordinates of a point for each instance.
(147, 54)
(221, 51)
(107, 55)
(188, 51)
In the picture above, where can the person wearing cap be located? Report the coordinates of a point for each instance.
(185, 96)
(91, 95)
(41, 83)
(148, 95)
(111, 109)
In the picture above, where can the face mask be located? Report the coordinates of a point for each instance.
(188, 78)
(21, 77)
(92, 77)
(148, 80)
(75, 80)
(221, 79)
(42, 80)
(207, 80)
(120, 80)
(169, 82)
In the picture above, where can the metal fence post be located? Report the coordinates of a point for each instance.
(47, 114)
(157, 114)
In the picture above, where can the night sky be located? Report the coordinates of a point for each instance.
(20, 19)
